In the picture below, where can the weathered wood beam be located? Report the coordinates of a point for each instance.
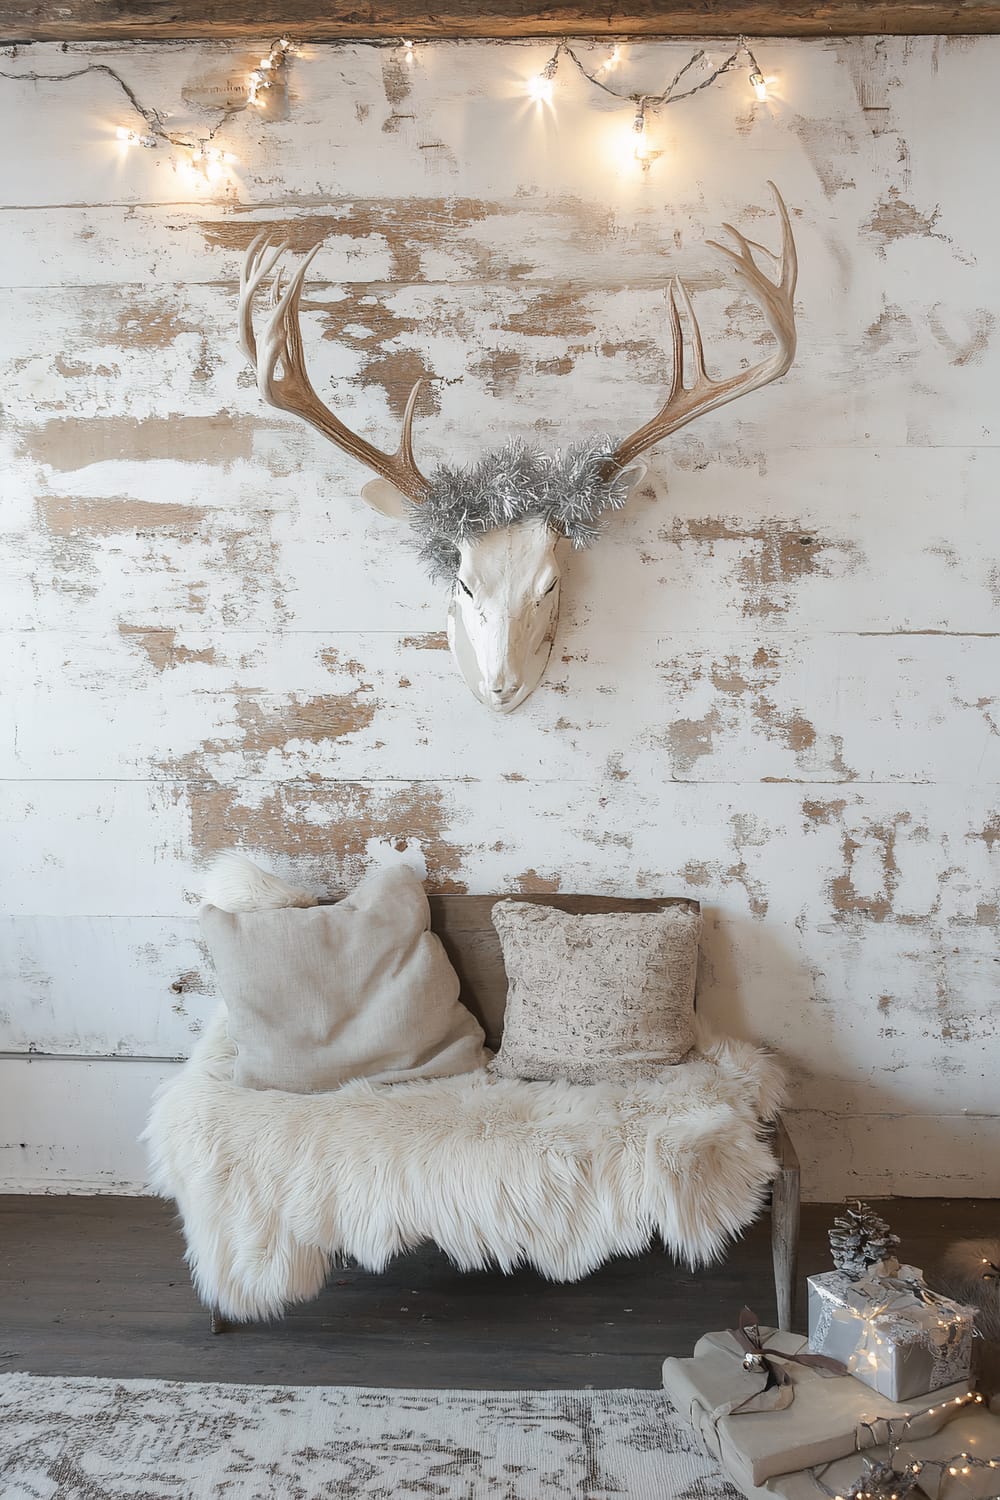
(387, 20)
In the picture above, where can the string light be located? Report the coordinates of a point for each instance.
(639, 129)
(263, 76)
(884, 1481)
(261, 79)
(208, 161)
(134, 138)
(540, 88)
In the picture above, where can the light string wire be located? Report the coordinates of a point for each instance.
(886, 1482)
(540, 88)
(260, 79)
(268, 70)
(652, 101)
(655, 101)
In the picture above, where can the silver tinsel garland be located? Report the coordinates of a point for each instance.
(517, 483)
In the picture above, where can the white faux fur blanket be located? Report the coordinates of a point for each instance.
(273, 1188)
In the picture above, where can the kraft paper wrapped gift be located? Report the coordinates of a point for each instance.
(973, 1431)
(823, 1423)
(892, 1332)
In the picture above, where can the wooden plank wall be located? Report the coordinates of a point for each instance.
(776, 681)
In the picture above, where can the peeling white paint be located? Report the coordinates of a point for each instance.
(774, 684)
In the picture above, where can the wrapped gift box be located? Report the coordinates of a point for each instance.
(891, 1332)
(975, 1431)
(826, 1421)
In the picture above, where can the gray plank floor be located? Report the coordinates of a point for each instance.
(98, 1286)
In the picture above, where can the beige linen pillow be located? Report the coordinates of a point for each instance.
(598, 998)
(360, 989)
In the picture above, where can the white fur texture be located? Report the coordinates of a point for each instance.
(274, 1187)
(235, 883)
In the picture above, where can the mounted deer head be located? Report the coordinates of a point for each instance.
(494, 530)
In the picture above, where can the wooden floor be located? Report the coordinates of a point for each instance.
(98, 1286)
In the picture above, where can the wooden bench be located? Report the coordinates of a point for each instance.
(466, 929)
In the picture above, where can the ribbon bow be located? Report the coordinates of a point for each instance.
(777, 1391)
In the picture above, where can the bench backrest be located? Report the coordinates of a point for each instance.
(464, 925)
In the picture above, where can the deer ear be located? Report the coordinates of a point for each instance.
(383, 496)
(637, 471)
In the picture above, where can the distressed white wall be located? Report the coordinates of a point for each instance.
(776, 683)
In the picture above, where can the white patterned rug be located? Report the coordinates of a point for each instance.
(63, 1439)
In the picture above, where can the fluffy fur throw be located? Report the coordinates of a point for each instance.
(274, 1188)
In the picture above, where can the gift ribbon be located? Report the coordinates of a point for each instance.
(761, 1360)
(907, 1293)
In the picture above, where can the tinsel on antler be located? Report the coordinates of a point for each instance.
(861, 1239)
(571, 490)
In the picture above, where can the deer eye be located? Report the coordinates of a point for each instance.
(465, 588)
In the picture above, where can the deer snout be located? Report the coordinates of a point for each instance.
(502, 688)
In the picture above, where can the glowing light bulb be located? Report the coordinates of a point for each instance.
(759, 84)
(639, 129)
(540, 89)
(123, 134)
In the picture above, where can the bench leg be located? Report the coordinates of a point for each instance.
(785, 1227)
(219, 1324)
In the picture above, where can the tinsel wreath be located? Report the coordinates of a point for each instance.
(570, 490)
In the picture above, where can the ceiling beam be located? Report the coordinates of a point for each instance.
(388, 20)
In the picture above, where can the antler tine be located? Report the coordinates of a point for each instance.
(676, 341)
(252, 272)
(697, 347)
(292, 391)
(405, 450)
(775, 299)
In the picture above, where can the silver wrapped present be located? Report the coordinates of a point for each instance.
(892, 1332)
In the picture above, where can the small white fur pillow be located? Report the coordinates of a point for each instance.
(235, 883)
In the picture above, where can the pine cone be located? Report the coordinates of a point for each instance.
(860, 1239)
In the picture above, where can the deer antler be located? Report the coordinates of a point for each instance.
(291, 390)
(684, 403)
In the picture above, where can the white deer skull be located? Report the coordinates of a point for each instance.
(504, 611)
(495, 531)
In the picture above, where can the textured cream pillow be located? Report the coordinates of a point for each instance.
(598, 998)
(360, 989)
